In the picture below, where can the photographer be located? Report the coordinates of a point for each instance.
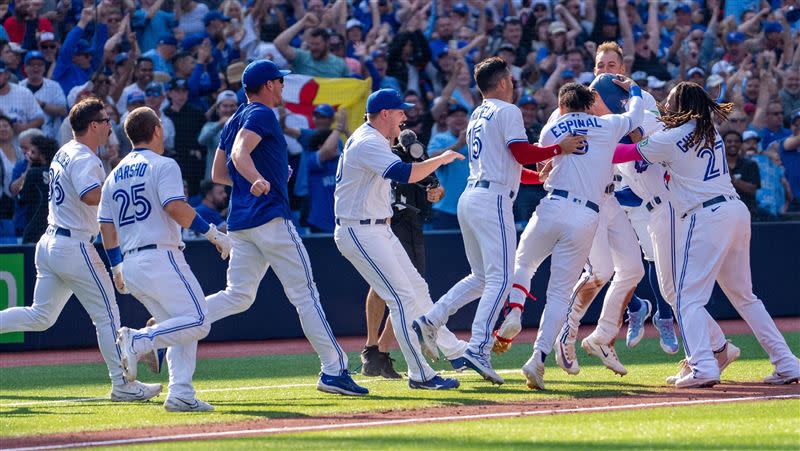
(412, 205)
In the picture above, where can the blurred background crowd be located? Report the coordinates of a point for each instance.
(185, 58)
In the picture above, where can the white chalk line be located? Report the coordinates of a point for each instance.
(395, 422)
(217, 390)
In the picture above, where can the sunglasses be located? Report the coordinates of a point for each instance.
(103, 119)
(153, 94)
(48, 47)
(103, 81)
(279, 80)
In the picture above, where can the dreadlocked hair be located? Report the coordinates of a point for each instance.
(693, 102)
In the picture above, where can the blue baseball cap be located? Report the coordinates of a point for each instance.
(461, 8)
(154, 89)
(456, 107)
(193, 40)
(611, 18)
(612, 95)
(772, 27)
(324, 110)
(215, 15)
(386, 99)
(135, 97)
(260, 72)
(120, 58)
(683, 7)
(34, 55)
(167, 39)
(568, 73)
(83, 47)
(527, 100)
(735, 37)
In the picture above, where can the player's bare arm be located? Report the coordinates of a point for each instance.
(92, 197)
(244, 144)
(571, 144)
(186, 217)
(219, 169)
(111, 244)
(421, 170)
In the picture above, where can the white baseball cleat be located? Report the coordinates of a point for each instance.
(534, 371)
(606, 353)
(726, 355)
(175, 404)
(134, 391)
(683, 370)
(567, 358)
(511, 327)
(777, 378)
(426, 334)
(692, 381)
(130, 359)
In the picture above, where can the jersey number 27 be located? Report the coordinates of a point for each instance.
(712, 171)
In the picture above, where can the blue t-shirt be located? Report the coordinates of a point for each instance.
(210, 215)
(791, 161)
(270, 158)
(768, 136)
(321, 185)
(148, 31)
(453, 177)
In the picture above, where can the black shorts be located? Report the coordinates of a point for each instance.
(408, 229)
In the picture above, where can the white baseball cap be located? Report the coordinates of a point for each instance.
(655, 83)
(227, 95)
(750, 134)
(354, 23)
(47, 36)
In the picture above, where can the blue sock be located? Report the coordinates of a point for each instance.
(635, 305)
(663, 309)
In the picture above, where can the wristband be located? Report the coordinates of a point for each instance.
(114, 256)
(636, 91)
(199, 225)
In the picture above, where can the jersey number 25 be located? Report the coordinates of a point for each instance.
(141, 206)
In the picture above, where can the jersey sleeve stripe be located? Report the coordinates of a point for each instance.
(89, 188)
(104, 220)
(386, 171)
(516, 141)
(164, 204)
(642, 154)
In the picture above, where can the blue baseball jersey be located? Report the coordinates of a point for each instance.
(270, 158)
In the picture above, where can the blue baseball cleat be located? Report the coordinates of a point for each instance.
(636, 324)
(482, 366)
(437, 383)
(342, 384)
(459, 364)
(666, 332)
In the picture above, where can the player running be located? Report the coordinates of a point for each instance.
(66, 260)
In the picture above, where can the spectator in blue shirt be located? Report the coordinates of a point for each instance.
(196, 64)
(162, 54)
(78, 59)
(453, 177)
(773, 129)
(789, 151)
(150, 22)
(223, 52)
(214, 202)
(322, 162)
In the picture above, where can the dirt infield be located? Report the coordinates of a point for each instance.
(726, 392)
(299, 346)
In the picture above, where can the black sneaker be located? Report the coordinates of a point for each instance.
(372, 361)
(387, 370)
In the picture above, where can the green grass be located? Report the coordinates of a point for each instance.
(262, 387)
(768, 425)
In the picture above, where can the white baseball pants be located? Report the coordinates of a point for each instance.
(564, 228)
(67, 265)
(163, 282)
(487, 228)
(277, 244)
(714, 245)
(379, 257)
(614, 252)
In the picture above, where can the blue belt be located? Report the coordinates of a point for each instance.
(142, 248)
(366, 221)
(651, 205)
(60, 231)
(714, 200)
(487, 184)
(565, 194)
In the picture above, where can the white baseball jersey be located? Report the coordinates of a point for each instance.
(492, 127)
(75, 171)
(645, 179)
(134, 195)
(697, 174)
(362, 189)
(586, 173)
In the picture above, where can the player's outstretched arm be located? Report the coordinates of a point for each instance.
(526, 153)
(635, 113)
(243, 145)
(422, 169)
(111, 243)
(188, 218)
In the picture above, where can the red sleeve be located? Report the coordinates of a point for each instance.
(14, 29)
(530, 177)
(526, 153)
(45, 25)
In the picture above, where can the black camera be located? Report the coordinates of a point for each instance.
(410, 150)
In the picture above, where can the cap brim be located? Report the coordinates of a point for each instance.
(406, 106)
(284, 72)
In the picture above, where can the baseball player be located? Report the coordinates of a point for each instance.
(498, 148)
(252, 158)
(66, 261)
(565, 221)
(714, 236)
(362, 204)
(155, 271)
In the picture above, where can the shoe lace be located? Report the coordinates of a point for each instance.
(666, 331)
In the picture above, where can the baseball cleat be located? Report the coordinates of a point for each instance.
(371, 361)
(777, 378)
(606, 353)
(128, 356)
(567, 358)
(437, 383)
(134, 391)
(459, 364)
(176, 404)
(533, 370)
(426, 333)
(511, 327)
(387, 367)
(666, 333)
(692, 381)
(154, 360)
(482, 366)
(726, 355)
(636, 324)
(342, 384)
(683, 370)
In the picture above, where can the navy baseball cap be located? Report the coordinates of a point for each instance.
(735, 37)
(324, 110)
(167, 39)
(215, 15)
(386, 99)
(611, 18)
(193, 40)
(83, 47)
(461, 8)
(683, 7)
(613, 96)
(178, 83)
(772, 27)
(260, 72)
(34, 55)
(154, 89)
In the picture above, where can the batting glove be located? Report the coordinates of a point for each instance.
(220, 240)
(119, 280)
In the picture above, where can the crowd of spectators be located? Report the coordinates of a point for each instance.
(184, 59)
